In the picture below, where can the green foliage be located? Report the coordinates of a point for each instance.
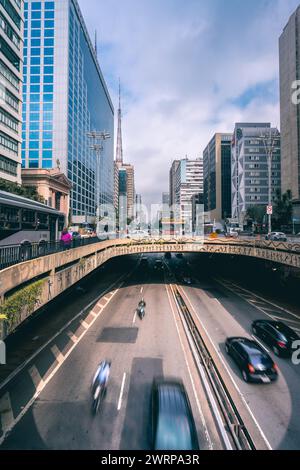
(256, 213)
(14, 188)
(23, 300)
(283, 209)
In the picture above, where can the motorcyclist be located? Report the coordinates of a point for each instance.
(142, 303)
(102, 374)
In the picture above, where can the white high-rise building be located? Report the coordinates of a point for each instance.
(188, 180)
(11, 68)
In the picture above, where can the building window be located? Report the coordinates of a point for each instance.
(9, 31)
(9, 98)
(10, 54)
(8, 166)
(9, 76)
(8, 120)
(12, 12)
(8, 143)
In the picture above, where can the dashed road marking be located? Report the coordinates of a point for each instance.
(72, 336)
(36, 377)
(84, 324)
(57, 353)
(121, 392)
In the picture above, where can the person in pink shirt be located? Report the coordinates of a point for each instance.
(66, 239)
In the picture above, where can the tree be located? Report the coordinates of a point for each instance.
(14, 188)
(256, 213)
(283, 208)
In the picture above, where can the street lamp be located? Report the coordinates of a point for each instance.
(97, 138)
(269, 140)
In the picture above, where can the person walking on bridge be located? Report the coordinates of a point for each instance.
(66, 239)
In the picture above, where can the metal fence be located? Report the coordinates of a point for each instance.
(14, 254)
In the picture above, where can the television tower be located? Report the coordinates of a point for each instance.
(119, 152)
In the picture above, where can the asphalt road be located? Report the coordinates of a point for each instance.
(226, 310)
(61, 418)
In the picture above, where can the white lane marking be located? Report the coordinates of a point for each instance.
(286, 320)
(47, 380)
(190, 374)
(6, 412)
(134, 317)
(218, 301)
(142, 290)
(121, 392)
(106, 298)
(25, 363)
(36, 377)
(93, 313)
(72, 336)
(57, 353)
(229, 373)
(260, 343)
(229, 286)
(84, 324)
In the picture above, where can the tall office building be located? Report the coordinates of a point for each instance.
(217, 177)
(11, 65)
(249, 168)
(172, 174)
(187, 181)
(130, 189)
(165, 199)
(65, 97)
(289, 53)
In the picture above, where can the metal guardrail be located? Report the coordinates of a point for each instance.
(233, 423)
(11, 255)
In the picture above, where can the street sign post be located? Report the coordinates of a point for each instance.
(270, 210)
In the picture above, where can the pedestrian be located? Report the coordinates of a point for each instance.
(66, 239)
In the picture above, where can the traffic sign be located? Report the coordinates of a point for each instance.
(270, 210)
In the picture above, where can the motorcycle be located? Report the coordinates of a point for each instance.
(97, 398)
(141, 312)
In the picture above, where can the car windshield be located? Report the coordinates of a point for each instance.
(173, 433)
(260, 360)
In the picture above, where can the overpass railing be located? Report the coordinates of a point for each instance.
(15, 254)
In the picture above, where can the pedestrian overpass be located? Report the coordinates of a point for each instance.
(47, 277)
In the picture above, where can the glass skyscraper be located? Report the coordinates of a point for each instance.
(65, 97)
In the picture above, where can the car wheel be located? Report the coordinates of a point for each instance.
(276, 351)
(245, 376)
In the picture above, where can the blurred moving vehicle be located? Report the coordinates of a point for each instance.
(173, 426)
(253, 361)
(277, 237)
(158, 265)
(144, 261)
(277, 335)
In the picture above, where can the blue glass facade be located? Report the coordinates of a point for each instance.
(65, 97)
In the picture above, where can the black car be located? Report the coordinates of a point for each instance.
(173, 426)
(253, 361)
(168, 255)
(158, 265)
(275, 334)
(179, 255)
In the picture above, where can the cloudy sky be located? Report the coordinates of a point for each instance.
(188, 68)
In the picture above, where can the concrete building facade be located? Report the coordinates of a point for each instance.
(11, 77)
(289, 53)
(249, 167)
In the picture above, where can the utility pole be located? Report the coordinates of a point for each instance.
(269, 140)
(97, 138)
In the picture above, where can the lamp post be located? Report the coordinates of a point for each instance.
(97, 138)
(269, 140)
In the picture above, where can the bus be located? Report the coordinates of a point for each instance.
(25, 222)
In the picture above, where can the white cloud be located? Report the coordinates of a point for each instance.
(183, 66)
